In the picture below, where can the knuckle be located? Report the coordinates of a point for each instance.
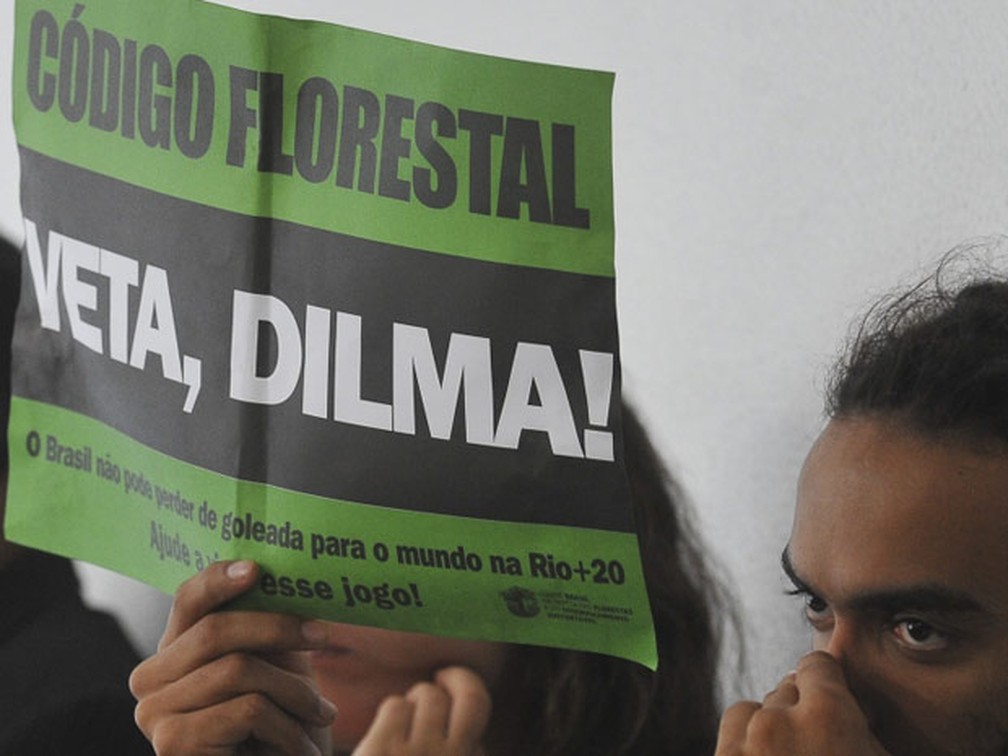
(168, 741)
(429, 694)
(137, 681)
(235, 666)
(739, 707)
(142, 718)
(742, 710)
(820, 709)
(284, 630)
(210, 632)
(477, 707)
(478, 696)
(191, 589)
(204, 632)
(425, 690)
(392, 704)
(766, 728)
(253, 706)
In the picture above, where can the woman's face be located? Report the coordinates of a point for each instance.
(363, 665)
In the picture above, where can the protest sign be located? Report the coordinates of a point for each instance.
(333, 301)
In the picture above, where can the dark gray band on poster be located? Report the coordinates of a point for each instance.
(207, 254)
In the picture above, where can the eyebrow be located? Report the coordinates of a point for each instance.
(926, 597)
(789, 570)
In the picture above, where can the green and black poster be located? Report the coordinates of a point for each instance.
(337, 302)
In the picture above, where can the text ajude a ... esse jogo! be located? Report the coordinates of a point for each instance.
(345, 135)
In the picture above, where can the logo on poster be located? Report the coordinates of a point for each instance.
(521, 602)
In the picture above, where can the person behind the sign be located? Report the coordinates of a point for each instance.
(224, 681)
(63, 667)
(900, 541)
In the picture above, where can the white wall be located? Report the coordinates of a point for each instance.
(777, 163)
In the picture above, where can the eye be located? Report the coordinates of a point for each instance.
(817, 612)
(918, 635)
(814, 604)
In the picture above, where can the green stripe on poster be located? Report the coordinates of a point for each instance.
(372, 136)
(338, 560)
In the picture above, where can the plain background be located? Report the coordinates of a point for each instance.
(778, 165)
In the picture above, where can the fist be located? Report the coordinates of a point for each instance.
(811, 712)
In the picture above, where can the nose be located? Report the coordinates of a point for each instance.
(838, 640)
(841, 641)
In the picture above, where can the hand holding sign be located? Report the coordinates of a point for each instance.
(221, 681)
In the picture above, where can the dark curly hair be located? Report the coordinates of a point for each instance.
(934, 357)
(574, 703)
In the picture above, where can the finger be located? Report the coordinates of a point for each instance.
(733, 728)
(204, 592)
(297, 662)
(432, 707)
(471, 705)
(231, 677)
(819, 672)
(784, 695)
(223, 728)
(390, 728)
(222, 633)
